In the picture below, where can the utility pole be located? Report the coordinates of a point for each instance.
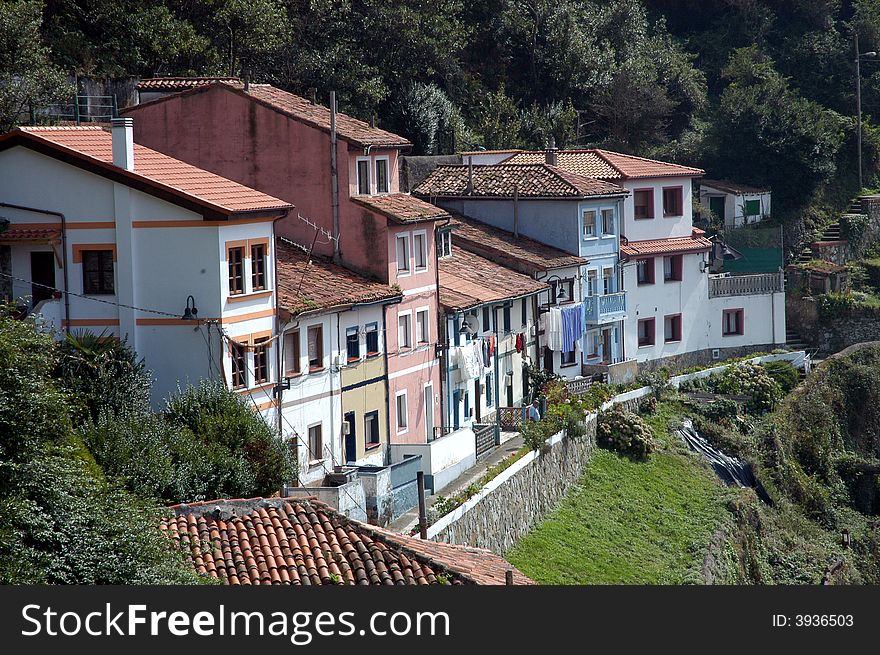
(859, 107)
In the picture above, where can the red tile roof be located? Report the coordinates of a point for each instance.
(181, 83)
(305, 542)
(314, 284)
(607, 165)
(519, 253)
(402, 208)
(352, 130)
(468, 280)
(674, 245)
(25, 232)
(155, 172)
(732, 187)
(533, 180)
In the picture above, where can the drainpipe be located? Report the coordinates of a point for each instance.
(334, 177)
(516, 211)
(47, 212)
(387, 386)
(279, 354)
(495, 381)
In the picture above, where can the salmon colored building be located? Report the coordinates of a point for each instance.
(342, 176)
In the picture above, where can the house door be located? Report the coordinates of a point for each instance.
(510, 394)
(42, 273)
(350, 440)
(716, 206)
(429, 412)
(456, 399)
(548, 360)
(477, 399)
(606, 346)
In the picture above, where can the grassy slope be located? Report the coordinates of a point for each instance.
(630, 522)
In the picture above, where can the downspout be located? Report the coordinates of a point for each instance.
(387, 386)
(495, 381)
(279, 354)
(334, 177)
(516, 211)
(47, 212)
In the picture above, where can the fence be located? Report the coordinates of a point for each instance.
(746, 285)
(510, 418)
(485, 438)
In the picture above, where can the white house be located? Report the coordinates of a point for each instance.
(108, 236)
(736, 204)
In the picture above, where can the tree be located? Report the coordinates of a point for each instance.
(28, 78)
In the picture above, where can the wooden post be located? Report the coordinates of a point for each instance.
(508, 577)
(423, 512)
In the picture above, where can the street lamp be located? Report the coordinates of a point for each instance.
(859, 56)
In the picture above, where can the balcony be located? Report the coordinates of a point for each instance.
(605, 309)
(721, 286)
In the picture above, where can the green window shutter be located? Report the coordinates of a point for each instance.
(752, 207)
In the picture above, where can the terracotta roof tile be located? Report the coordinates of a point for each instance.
(402, 207)
(537, 180)
(181, 83)
(232, 541)
(324, 285)
(468, 280)
(607, 165)
(519, 253)
(25, 232)
(675, 245)
(160, 170)
(732, 187)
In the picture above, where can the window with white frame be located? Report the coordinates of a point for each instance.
(316, 443)
(592, 282)
(316, 347)
(372, 330)
(607, 280)
(352, 344)
(291, 353)
(607, 221)
(404, 330)
(422, 330)
(402, 254)
(589, 217)
(420, 250)
(363, 177)
(402, 416)
(445, 243)
(593, 344)
(381, 175)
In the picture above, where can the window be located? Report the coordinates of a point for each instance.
(97, 272)
(363, 177)
(672, 328)
(371, 428)
(381, 176)
(672, 268)
(487, 325)
(589, 223)
(420, 250)
(235, 260)
(316, 443)
(645, 270)
(238, 353)
(261, 360)
(524, 311)
(404, 330)
(316, 347)
(643, 201)
(258, 266)
(291, 353)
(402, 254)
(752, 208)
(402, 418)
(607, 221)
(372, 330)
(646, 332)
(558, 289)
(732, 322)
(568, 358)
(506, 318)
(592, 282)
(672, 201)
(489, 401)
(593, 344)
(352, 344)
(422, 330)
(445, 244)
(607, 280)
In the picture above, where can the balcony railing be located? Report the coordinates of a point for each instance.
(606, 308)
(746, 285)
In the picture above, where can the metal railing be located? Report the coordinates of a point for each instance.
(579, 387)
(83, 109)
(746, 285)
(484, 436)
(600, 308)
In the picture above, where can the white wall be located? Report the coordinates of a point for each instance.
(734, 204)
(658, 227)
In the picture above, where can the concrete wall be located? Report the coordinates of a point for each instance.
(659, 227)
(349, 498)
(443, 459)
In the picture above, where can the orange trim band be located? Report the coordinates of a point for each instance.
(249, 296)
(78, 249)
(81, 225)
(91, 322)
(263, 387)
(247, 317)
(197, 223)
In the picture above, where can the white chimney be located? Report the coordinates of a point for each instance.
(122, 131)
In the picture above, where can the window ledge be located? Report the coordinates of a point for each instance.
(672, 341)
(732, 334)
(372, 446)
(647, 345)
(593, 238)
(645, 284)
(568, 365)
(241, 297)
(352, 360)
(643, 218)
(316, 369)
(315, 463)
(671, 280)
(373, 355)
(292, 375)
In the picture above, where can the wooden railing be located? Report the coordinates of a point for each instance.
(746, 285)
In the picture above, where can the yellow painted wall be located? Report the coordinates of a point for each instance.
(368, 398)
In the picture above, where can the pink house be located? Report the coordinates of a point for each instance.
(281, 144)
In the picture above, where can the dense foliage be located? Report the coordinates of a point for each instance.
(624, 432)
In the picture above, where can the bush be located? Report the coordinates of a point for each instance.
(722, 410)
(750, 380)
(625, 432)
(785, 374)
(648, 405)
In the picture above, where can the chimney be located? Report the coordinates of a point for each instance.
(470, 180)
(552, 152)
(122, 133)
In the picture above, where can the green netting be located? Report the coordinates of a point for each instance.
(761, 247)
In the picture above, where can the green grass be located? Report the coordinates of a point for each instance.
(629, 522)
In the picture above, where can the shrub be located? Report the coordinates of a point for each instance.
(648, 405)
(722, 410)
(750, 380)
(785, 374)
(625, 432)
